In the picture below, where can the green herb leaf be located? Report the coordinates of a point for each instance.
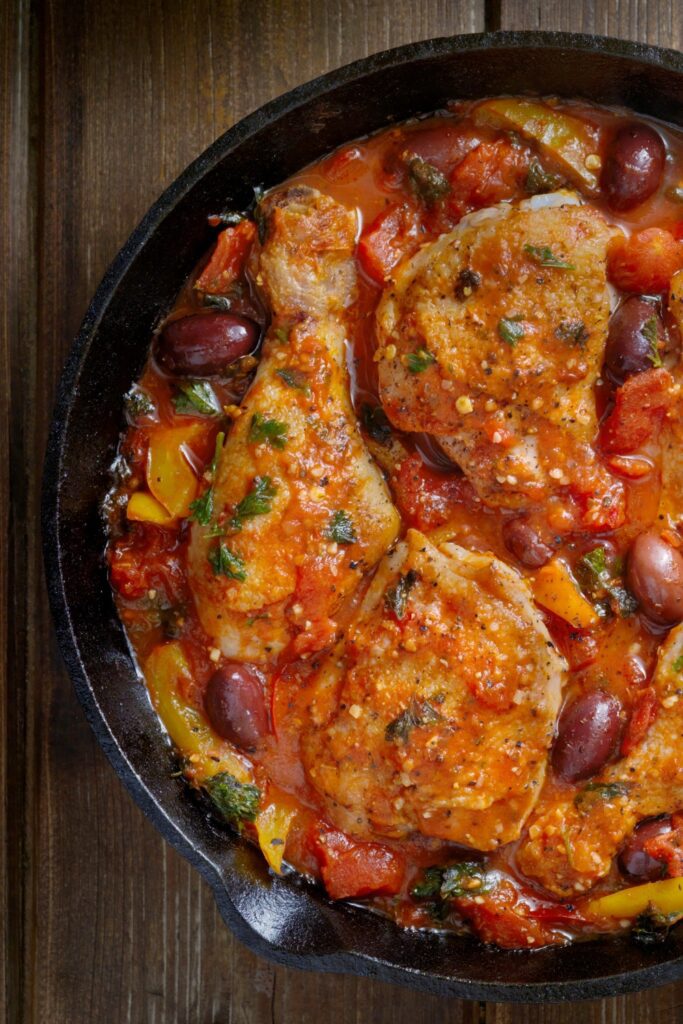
(539, 180)
(678, 664)
(396, 597)
(427, 181)
(622, 600)
(417, 714)
(652, 926)
(545, 257)
(273, 432)
(236, 801)
(196, 396)
(651, 335)
(419, 360)
(294, 378)
(465, 879)
(596, 791)
(217, 452)
(511, 330)
(341, 528)
(596, 561)
(573, 332)
(256, 503)
(600, 581)
(225, 562)
(201, 510)
(139, 403)
(222, 302)
(430, 884)
(376, 423)
(467, 283)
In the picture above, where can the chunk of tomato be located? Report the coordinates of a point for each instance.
(645, 262)
(640, 406)
(427, 499)
(227, 259)
(146, 559)
(393, 235)
(642, 717)
(490, 173)
(350, 868)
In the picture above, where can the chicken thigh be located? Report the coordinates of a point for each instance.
(437, 714)
(492, 339)
(299, 510)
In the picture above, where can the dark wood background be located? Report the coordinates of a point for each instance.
(105, 101)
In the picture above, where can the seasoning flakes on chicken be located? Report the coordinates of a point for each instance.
(437, 716)
(493, 338)
(298, 509)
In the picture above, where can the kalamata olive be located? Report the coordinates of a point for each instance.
(655, 576)
(633, 861)
(629, 349)
(525, 544)
(633, 166)
(235, 704)
(587, 735)
(205, 343)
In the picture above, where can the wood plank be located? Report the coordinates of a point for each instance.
(119, 928)
(17, 323)
(650, 21)
(659, 22)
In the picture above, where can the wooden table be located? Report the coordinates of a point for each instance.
(105, 103)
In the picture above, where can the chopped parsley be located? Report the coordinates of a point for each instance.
(225, 562)
(467, 283)
(201, 510)
(196, 396)
(341, 528)
(602, 584)
(396, 597)
(678, 664)
(257, 502)
(273, 432)
(468, 878)
(376, 423)
(419, 360)
(573, 332)
(587, 797)
(653, 925)
(236, 801)
(539, 180)
(294, 378)
(427, 181)
(417, 714)
(651, 335)
(511, 330)
(222, 302)
(139, 403)
(545, 257)
(217, 452)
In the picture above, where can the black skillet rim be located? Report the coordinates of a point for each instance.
(342, 959)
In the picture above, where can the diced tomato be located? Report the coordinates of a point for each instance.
(350, 868)
(642, 717)
(491, 172)
(393, 235)
(640, 405)
(645, 262)
(501, 917)
(668, 847)
(146, 559)
(227, 259)
(578, 646)
(426, 499)
(605, 510)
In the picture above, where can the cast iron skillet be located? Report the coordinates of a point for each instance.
(287, 919)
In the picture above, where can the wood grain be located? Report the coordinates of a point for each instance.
(105, 102)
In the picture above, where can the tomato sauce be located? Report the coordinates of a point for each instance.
(464, 162)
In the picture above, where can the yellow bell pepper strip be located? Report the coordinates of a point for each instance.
(556, 589)
(571, 142)
(144, 508)
(666, 896)
(273, 823)
(165, 669)
(170, 476)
